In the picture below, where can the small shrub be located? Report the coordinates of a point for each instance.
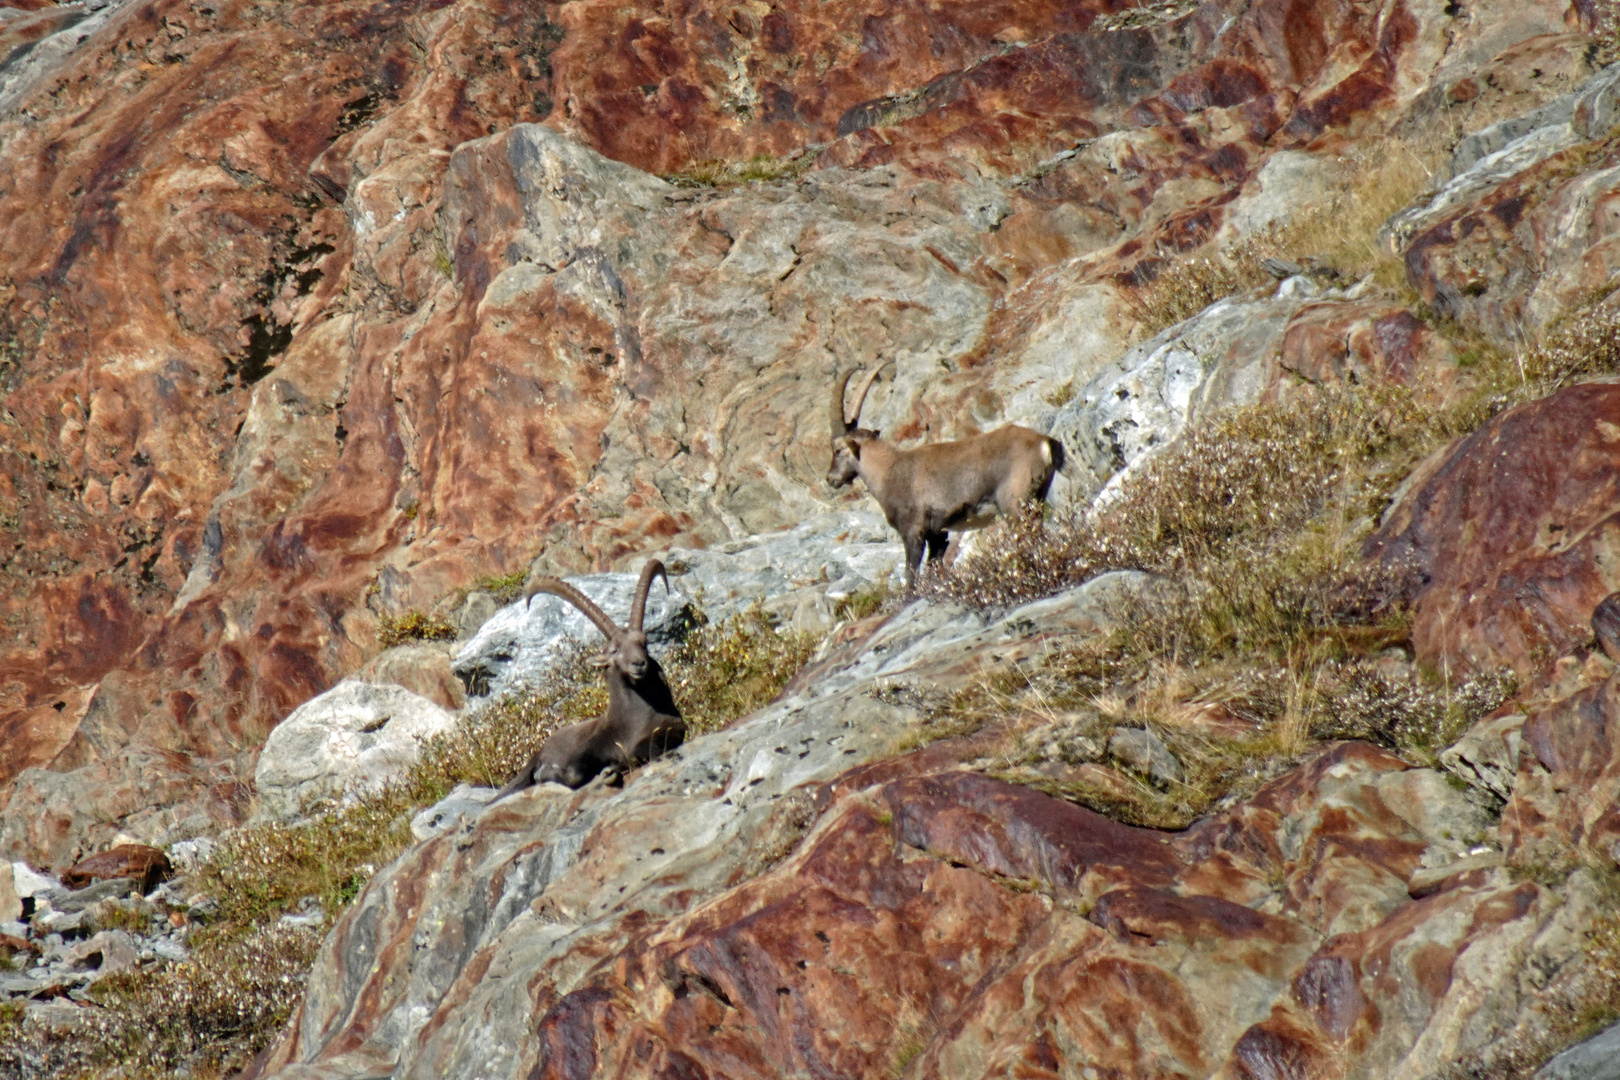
(866, 601)
(208, 1015)
(1184, 287)
(1399, 709)
(504, 587)
(723, 672)
(1605, 33)
(412, 626)
(762, 167)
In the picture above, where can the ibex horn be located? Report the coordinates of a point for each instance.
(638, 606)
(860, 395)
(839, 426)
(557, 587)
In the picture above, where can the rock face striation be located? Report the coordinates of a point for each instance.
(312, 315)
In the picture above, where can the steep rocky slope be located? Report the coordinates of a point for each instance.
(312, 316)
(286, 351)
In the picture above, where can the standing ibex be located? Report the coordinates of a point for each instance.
(940, 486)
(642, 720)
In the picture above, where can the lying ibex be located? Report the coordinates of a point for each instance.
(642, 720)
(940, 486)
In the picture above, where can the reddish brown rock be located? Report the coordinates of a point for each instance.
(1515, 257)
(1569, 777)
(1363, 341)
(147, 866)
(1606, 625)
(1515, 532)
(946, 921)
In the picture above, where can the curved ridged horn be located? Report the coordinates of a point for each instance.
(860, 395)
(558, 587)
(839, 426)
(638, 606)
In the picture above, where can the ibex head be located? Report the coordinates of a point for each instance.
(847, 436)
(626, 649)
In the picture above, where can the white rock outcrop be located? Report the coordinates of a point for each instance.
(356, 736)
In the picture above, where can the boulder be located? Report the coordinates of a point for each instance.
(29, 882)
(1512, 534)
(105, 953)
(353, 738)
(422, 667)
(1598, 1058)
(1143, 750)
(146, 866)
(1487, 755)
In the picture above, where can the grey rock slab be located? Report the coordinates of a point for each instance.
(1142, 402)
(169, 949)
(105, 953)
(476, 610)
(1289, 182)
(1487, 755)
(26, 69)
(464, 801)
(355, 737)
(1598, 1058)
(60, 922)
(521, 643)
(30, 882)
(187, 855)
(1144, 751)
(80, 899)
(830, 556)
(1496, 153)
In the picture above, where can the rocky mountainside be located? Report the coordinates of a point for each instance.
(318, 321)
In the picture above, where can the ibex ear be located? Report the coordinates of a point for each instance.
(854, 447)
(600, 659)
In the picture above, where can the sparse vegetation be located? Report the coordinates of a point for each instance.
(504, 587)
(723, 672)
(203, 1017)
(412, 626)
(212, 1013)
(1336, 240)
(761, 167)
(865, 601)
(1184, 287)
(1261, 609)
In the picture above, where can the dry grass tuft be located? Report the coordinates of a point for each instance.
(209, 1015)
(203, 1017)
(762, 167)
(1184, 287)
(722, 673)
(1336, 240)
(412, 626)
